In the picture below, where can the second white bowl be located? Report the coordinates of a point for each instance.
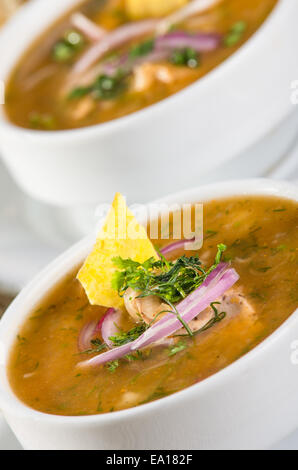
(242, 106)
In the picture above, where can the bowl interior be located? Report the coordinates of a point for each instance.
(26, 21)
(48, 278)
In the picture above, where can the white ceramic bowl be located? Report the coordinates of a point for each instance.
(243, 107)
(250, 404)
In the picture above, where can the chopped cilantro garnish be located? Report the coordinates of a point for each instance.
(171, 281)
(142, 49)
(218, 317)
(112, 366)
(177, 348)
(187, 56)
(210, 233)
(79, 92)
(156, 395)
(99, 407)
(235, 34)
(129, 336)
(263, 269)
(134, 357)
(66, 48)
(42, 121)
(97, 346)
(278, 249)
(105, 88)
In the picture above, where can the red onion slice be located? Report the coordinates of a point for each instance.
(110, 67)
(117, 353)
(112, 40)
(219, 280)
(193, 8)
(179, 245)
(85, 336)
(188, 309)
(200, 42)
(87, 27)
(163, 46)
(109, 325)
(157, 55)
(111, 355)
(127, 64)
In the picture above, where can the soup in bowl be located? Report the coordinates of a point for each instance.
(100, 63)
(133, 335)
(144, 94)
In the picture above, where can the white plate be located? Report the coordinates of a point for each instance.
(7, 439)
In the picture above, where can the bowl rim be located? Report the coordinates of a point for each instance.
(14, 406)
(200, 85)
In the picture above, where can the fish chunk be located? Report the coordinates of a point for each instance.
(145, 309)
(151, 308)
(82, 108)
(233, 303)
(146, 75)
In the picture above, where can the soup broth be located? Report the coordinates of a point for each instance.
(46, 91)
(261, 238)
(8, 8)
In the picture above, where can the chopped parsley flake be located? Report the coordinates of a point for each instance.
(112, 366)
(177, 348)
(187, 56)
(235, 34)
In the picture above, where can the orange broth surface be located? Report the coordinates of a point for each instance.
(262, 245)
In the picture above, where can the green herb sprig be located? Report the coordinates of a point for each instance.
(235, 34)
(142, 49)
(112, 366)
(97, 346)
(105, 87)
(171, 281)
(185, 57)
(177, 348)
(218, 317)
(66, 48)
(129, 336)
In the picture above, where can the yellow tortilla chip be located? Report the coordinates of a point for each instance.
(138, 9)
(121, 235)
